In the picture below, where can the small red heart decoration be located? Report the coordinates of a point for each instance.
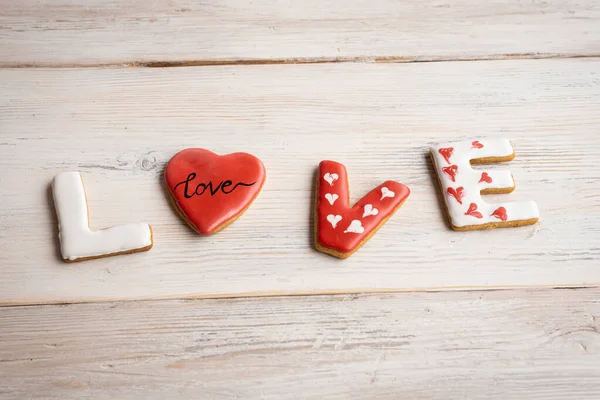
(485, 178)
(500, 213)
(446, 152)
(457, 193)
(451, 171)
(472, 211)
(211, 191)
(477, 145)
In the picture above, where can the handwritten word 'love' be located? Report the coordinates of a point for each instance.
(201, 187)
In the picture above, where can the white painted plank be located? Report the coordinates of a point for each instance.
(119, 127)
(476, 345)
(88, 32)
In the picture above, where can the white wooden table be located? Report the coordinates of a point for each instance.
(114, 88)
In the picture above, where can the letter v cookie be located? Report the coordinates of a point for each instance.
(462, 186)
(340, 230)
(77, 241)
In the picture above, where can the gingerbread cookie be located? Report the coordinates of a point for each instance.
(462, 186)
(340, 230)
(77, 241)
(211, 191)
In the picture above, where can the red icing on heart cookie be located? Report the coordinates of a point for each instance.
(446, 153)
(451, 171)
(457, 193)
(485, 178)
(472, 211)
(212, 190)
(477, 145)
(341, 229)
(500, 213)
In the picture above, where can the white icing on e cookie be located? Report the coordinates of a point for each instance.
(77, 240)
(462, 185)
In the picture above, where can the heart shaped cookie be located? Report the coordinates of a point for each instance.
(211, 191)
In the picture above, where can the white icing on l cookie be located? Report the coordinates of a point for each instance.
(462, 185)
(77, 241)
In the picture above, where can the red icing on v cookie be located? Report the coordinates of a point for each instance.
(341, 229)
(212, 191)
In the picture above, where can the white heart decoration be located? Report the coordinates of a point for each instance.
(331, 198)
(385, 192)
(370, 210)
(330, 178)
(334, 219)
(355, 227)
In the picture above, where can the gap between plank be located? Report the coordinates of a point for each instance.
(307, 60)
(259, 295)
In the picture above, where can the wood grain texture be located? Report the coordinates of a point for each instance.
(91, 32)
(119, 127)
(474, 345)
